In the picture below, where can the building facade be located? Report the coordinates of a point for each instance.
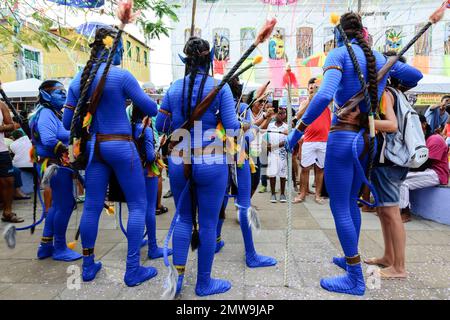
(304, 34)
(64, 62)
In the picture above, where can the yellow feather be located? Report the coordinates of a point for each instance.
(72, 245)
(257, 60)
(334, 19)
(110, 210)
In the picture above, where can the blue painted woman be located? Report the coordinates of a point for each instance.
(50, 140)
(111, 151)
(209, 173)
(343, 182)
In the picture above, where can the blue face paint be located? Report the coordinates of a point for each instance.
(118, 56)
(58, 98)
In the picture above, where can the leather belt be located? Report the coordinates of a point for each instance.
(102, 137)
(340, 126)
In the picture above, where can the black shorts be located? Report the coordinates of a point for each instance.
(6, 167)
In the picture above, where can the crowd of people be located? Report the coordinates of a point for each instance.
(104, 144)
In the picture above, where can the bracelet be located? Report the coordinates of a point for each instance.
(69, 107)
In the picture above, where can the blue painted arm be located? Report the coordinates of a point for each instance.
(71, 101)
(48, 129)
(227, 109)
(137, 95)
(149, 146)
(408, 75)
(163, 120)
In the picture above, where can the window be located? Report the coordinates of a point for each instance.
(32, 63)
(248, 36)
(423, 46)
(138, 54)
(328, 40)
(129, 49)
(145, 58)
(221, 41)
(276, 44)
(304, 42)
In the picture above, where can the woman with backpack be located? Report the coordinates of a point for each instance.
(387, 179)
(347, 155)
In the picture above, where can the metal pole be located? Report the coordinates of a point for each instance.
(287, 256)
(359, 6)
(194, 9)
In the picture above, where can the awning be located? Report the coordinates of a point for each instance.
(433, 84)
(28, 88)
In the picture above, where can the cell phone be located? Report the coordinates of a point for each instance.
(275, 105)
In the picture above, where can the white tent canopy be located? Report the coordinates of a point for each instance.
(433, 84)
(28, 88)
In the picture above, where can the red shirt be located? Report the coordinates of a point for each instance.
(438, 153)
(319, 129)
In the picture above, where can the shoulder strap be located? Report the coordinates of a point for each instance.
(357, 98)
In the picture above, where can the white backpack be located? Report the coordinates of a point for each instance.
(406, 147)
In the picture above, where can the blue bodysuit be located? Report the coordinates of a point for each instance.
(209, 179)
(120, 157)
(243, 202)
(342, 180)
(48, 134)
(151, 187)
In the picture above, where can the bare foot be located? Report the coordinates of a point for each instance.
(382, 262)
(298, 199)
(319, 200)
(391, 273)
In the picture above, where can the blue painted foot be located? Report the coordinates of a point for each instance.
(259, 261)
(66, 255)
(157, 252)
(219, 245)
(45, 250)
(351, 283)
(90, 268)
(340, 262)
(207, 286)
(136, 276)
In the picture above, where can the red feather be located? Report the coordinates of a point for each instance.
(290, 79)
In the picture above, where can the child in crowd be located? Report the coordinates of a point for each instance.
(277, 159)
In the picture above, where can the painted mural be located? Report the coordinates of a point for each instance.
(221, 42)
(394, 39)
(277, 45)
(304, 42)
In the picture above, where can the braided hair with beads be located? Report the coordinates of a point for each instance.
(351, 27)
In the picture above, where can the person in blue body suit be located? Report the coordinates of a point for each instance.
(144, 137)
(50, 140)
(342, 179)
(116, 154)
(243, 196)
(209, 176)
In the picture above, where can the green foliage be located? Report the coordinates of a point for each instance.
(11, 28)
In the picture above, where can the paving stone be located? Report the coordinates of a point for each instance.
(27, 291)
(314, 242)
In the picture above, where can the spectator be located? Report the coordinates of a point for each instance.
(277, 159)
(432, 173)
(261, 115)
(313, 148)
(6, 167)
(20, 147)
(387, 179)
(436, 115)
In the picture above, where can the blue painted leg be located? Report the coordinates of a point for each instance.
(208, 286)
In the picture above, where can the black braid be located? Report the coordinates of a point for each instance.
(197, 57)
(87, 77)
(351, 27)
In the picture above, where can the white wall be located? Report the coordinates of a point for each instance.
(237, 14)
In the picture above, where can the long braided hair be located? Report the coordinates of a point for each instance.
(198, 60)
(352, 26)
(197, 53)
(99, 53)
